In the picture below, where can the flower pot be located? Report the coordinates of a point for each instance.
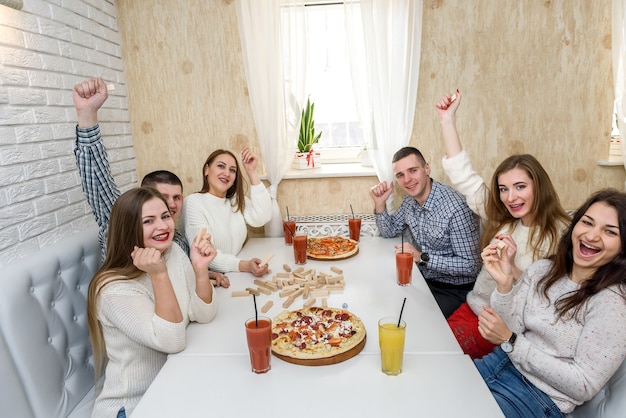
(307, 160)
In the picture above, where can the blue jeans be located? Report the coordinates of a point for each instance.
(121, 413)
(516, 396)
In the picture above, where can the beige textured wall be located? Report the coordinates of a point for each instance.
(536, 78)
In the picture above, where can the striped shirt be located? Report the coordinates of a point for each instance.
(98, 184)
(445, 228)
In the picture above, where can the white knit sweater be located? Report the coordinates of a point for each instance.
(467, 182)
(226, 225)
(137, 340)
(568, 360)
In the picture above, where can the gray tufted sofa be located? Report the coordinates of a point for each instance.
(46, 367)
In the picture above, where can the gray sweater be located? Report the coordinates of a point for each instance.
(568, 360)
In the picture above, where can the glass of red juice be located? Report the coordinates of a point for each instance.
(299, 249)
(259, 336)
(404, 267)
(289, 228)
(354, 225)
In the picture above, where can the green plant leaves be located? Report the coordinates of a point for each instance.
(307, 137)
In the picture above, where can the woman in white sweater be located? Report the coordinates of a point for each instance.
(520, 208)
(142, 298)
(561, 328)
(221, 206)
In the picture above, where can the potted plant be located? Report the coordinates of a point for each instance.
(306, 157)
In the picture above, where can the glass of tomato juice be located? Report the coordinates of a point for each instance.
(404, 267)
(259, 336)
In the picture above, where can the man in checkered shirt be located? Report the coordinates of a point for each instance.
(442, 231)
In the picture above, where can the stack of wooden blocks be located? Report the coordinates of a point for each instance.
(306, 284)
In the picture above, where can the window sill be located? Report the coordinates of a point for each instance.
(610, 163)
(330, 171)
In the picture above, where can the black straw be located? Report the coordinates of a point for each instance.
(402, 248)
(287, 207)
(401, 309)
(256, 313)
(352, 211)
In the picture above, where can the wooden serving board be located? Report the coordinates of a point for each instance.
(327, 360)
(312, 257)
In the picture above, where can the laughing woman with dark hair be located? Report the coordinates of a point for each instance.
(561, 328)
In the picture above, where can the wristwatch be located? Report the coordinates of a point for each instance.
(424, 258)
(507, 346)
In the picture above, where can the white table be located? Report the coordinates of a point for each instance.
(212, 376)
(430, 385)
(370, 292)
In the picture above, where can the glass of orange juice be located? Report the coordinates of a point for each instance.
(391, 340)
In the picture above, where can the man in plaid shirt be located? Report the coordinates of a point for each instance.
(98, 184)
(444, 231)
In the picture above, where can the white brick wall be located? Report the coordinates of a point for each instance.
(45, 49)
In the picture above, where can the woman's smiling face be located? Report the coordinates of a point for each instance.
(158, 225)
(221, 174)
(595, 239)
(516, 190)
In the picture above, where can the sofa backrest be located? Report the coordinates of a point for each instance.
(610, 402)
(45, 355)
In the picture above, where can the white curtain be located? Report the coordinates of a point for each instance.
(384, 44)
(274, 53)
(619, 65)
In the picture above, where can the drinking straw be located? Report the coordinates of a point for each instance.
(287, 207)
(402, 247)
(401, 309)
(352, 211)
(256, 313)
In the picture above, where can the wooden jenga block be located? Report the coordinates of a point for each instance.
(240, 293)
(267, 306)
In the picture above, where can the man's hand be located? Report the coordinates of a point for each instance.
(89, 96)
(379, 194)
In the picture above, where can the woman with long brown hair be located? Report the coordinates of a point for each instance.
(223, 208)
(519, 208)
(142, 298)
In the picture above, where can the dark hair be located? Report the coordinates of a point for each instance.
(405, 152)
(161, 177)
(605, 276)
(548, 216)
(236, 192)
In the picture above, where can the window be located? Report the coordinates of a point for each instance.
(329, 84)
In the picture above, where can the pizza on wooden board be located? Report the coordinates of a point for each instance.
(331, 248)
(316, 333)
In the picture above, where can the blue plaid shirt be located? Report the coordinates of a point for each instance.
(98, 184)
(445, 228)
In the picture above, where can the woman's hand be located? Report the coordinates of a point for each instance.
(511, 252)
(492, 327)
(250, 162)
(220, 279)
(446, 108)
(499, 265)
(149, 260)
(253, 266)
(202, 251)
